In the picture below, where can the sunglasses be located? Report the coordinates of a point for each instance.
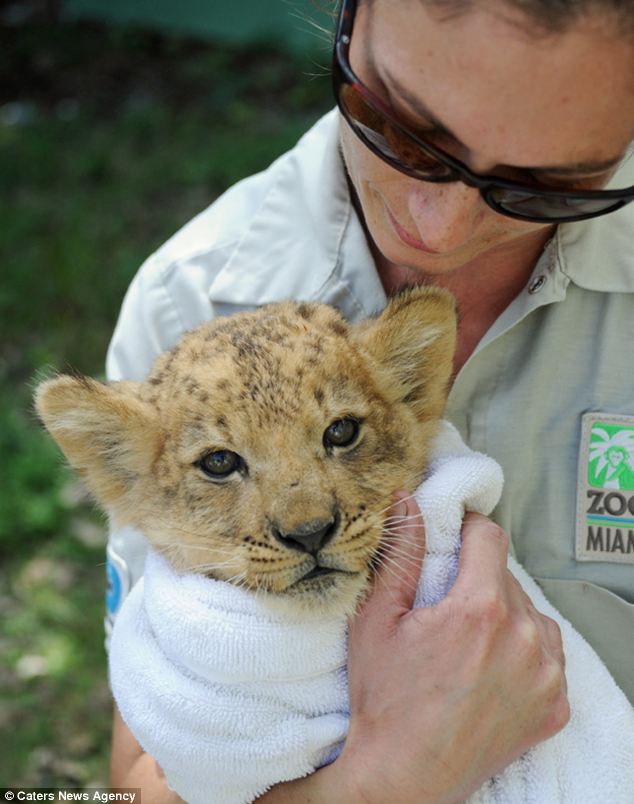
(375, 125)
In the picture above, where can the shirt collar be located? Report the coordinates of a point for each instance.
(305, 241)
(598, 254)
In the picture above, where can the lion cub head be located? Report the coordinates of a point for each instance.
(263, 450)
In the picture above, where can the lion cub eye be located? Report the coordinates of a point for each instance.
(341, 433)
(220, 464)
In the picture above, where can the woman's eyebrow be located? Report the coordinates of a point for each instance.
(418, 106)
(600, 166)
(421, 109)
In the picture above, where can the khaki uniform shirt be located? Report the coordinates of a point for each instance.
(549, 391)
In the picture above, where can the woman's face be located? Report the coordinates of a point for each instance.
(498, 96)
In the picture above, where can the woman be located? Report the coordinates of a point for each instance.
(470, 140)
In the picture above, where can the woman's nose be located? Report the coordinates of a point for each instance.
(445, 215)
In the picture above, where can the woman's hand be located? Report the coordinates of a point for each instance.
(442, 698)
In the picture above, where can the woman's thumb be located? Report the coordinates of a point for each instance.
(400, 557)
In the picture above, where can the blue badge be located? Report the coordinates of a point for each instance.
(113, 592)
(118, 578)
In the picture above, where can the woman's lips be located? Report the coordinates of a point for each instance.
(407, 238)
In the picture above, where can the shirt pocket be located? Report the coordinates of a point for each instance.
(604, 619)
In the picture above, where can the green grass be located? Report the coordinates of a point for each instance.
(124, 137)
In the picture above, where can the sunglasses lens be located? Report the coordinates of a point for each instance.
(550, 208)
(386, 139)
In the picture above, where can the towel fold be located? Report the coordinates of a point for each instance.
(231, 697)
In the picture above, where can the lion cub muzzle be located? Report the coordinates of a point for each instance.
(309, 537)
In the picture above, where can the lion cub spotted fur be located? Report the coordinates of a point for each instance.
(311, 422)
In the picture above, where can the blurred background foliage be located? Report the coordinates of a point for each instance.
(111, 138)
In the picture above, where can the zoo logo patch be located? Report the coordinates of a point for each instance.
(605, 489)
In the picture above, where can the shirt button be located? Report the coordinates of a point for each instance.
(537, 284)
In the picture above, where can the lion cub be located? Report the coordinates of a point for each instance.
(264, 448)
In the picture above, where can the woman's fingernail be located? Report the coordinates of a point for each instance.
(399, 508)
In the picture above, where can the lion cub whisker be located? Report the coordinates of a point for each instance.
(398, 519)
(390, 505)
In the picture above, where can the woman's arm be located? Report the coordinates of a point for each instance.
(130, 766)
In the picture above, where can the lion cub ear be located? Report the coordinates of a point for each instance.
(414, 340)
(108, 435)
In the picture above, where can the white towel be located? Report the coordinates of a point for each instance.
(231, 698)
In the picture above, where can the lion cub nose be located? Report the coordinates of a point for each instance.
(309, 537)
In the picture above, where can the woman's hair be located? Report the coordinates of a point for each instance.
(549, 16)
